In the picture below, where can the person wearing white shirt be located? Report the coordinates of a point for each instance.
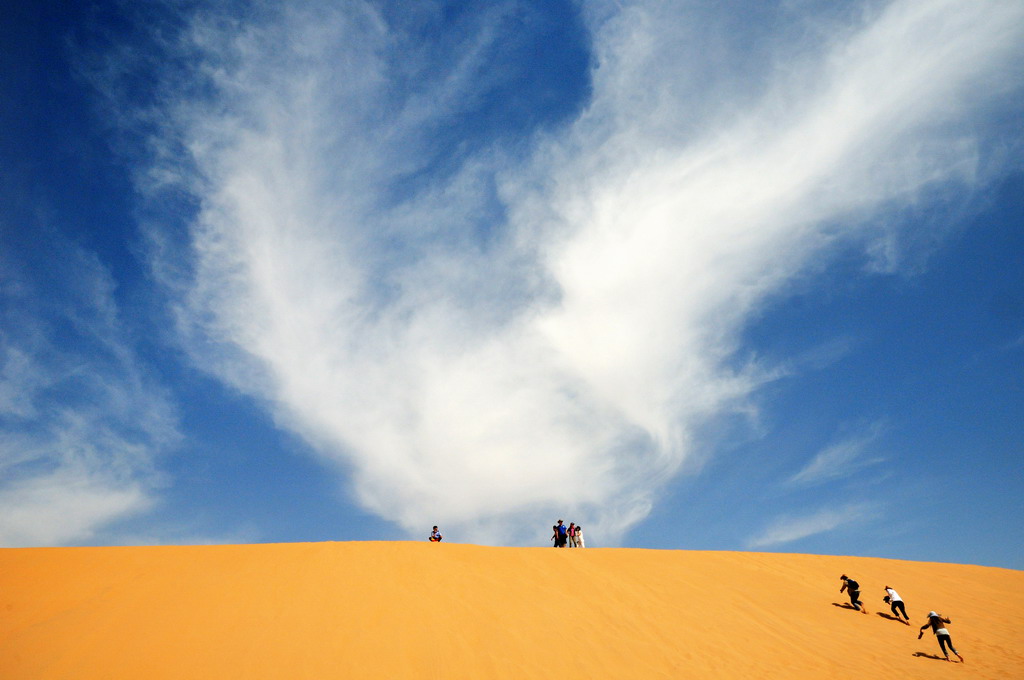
(896, 602)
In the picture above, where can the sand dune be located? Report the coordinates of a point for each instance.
(420, 610)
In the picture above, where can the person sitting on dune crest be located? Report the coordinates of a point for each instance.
(435, 535)
(853, 588)
(937, 622)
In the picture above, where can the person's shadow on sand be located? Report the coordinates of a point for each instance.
(925, 655)
(892, 618)
(845, 605)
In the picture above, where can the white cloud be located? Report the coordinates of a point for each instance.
(839, 459)
(562, 367)
(789, 529)
(64, 507)
(81, 423)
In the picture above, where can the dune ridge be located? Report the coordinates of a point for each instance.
(421, 610)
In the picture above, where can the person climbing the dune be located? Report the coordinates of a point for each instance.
(853, 588)
(893, 599)
(937, 623)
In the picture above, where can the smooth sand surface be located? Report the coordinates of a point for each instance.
(422, 610)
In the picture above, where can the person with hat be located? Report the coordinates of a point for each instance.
(853, 588)
(561, 534)
(938, 625)
(893, 599)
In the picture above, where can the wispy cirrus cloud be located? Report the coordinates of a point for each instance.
(81, 422)
(840, 459)
(506, 335)
(790, 528)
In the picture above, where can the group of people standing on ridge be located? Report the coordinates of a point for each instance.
(564, 536)
(936, 621)
(571, 536)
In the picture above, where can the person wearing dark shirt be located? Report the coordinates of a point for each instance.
(561, 534)
(853, 588)
(938, 626)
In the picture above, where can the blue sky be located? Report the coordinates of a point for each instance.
(731, 276)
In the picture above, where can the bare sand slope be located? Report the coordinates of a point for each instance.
(420, 610)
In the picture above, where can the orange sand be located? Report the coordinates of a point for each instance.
(448, 611)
